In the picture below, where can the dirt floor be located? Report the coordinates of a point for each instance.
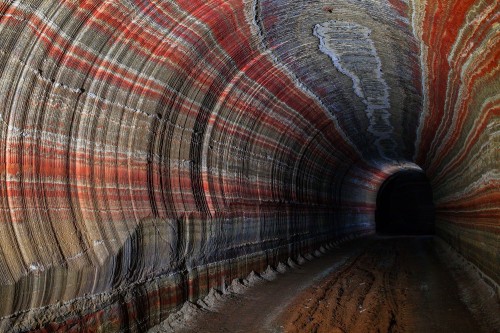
(379, 284)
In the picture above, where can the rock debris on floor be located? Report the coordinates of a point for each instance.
(377, 284)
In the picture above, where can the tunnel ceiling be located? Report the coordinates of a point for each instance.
(361, 60)
(171, 146)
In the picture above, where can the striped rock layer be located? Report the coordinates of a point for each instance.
(152, 150)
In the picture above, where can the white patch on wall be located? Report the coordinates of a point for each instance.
(353, 53)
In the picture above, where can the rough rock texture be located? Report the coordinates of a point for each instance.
(153, 150)
(458, 142)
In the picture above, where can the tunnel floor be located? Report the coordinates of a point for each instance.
(377, 284)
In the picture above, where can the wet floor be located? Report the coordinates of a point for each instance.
(379, 284)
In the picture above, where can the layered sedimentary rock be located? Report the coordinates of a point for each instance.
(458, 142)
(152, 150)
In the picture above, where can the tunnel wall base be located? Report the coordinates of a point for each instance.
(137, 307)
(477, 246)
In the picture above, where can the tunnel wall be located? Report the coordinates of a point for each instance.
(459, 133)
(151, 151)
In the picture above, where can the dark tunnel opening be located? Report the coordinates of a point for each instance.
(405, 205)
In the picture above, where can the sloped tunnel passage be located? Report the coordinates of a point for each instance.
(405, 205)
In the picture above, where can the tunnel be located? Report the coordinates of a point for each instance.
(156, 153)
(405, 205)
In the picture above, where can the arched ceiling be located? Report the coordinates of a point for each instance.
(360, 58)
(170, 146)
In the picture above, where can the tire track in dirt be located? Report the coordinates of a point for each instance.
(374, 284)
(393, 286)
(360, 293)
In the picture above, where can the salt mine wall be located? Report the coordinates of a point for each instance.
(458, 142)
(152, 150)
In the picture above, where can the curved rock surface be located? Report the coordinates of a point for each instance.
(152, 150)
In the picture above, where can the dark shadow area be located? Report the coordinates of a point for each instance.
(405, 205)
